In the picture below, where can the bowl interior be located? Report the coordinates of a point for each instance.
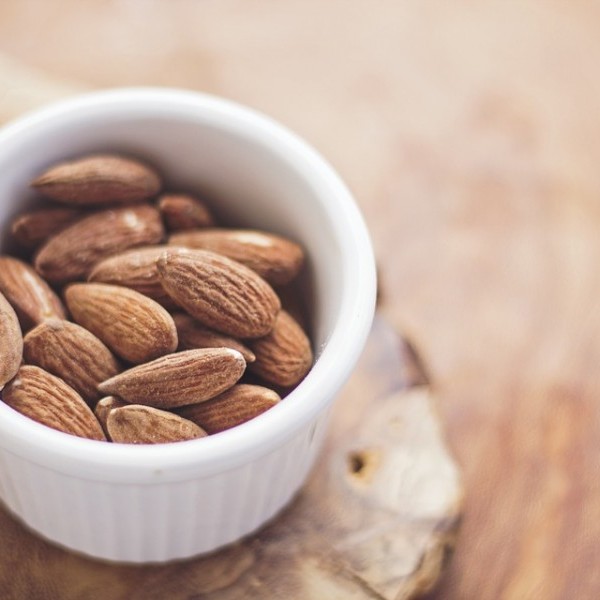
(254, 173)
(246, 182)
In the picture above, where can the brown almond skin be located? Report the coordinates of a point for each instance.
(284, 356)
(178, 379)
(275, 258)
(32, 229)
(72, 353)
(31, 297)
(233, 407)
(11, 342)
(72, 253)
(134, 327)
(192, 335)
(103, 408)
(135, 424)
(219, 292)
(135, 269)
(48, 400)
(99, 179)
(181, 212)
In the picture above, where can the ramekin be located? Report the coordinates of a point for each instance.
(158, 503)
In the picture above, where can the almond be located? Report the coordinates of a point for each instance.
(178, 379)
(181, 212)
(30, 296)
(233, 407)
(276, 259)
(133, 326)
(219, 292)
(71, 353)
(71, 254)
(284, 356)
(136, 424)
(99, 179)
(135, 269)
(51, 402)
(32, 229)
(192, 334)
(103, 408)
(11, 342)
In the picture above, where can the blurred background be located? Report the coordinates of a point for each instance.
(470, 135)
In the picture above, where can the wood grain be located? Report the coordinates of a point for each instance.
(377, 519)
(469, 133)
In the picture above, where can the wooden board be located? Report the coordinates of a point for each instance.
(377, 519)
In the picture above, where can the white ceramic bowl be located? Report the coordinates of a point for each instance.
(157, 503)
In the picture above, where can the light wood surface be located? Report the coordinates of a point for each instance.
(469, 133)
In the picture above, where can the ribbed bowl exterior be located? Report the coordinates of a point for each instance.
(158, 522)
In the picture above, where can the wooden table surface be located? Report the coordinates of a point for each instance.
(470, 134)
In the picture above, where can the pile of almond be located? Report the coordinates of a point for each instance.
(137, 317)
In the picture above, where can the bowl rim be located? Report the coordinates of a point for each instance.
(156, 463)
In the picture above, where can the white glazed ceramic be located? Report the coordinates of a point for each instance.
(157, 503)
